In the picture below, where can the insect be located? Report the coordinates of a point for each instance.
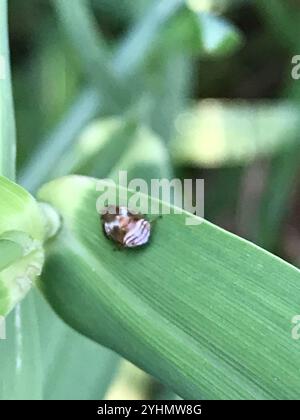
(127, 229)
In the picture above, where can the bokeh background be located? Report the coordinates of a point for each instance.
(211, 79)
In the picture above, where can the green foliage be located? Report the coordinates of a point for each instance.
(7, 126)
(73, 367)
(216, 133)
(205, 312)
(19, 354)
(23, 262)
(217, 36)
(183, 329)
(200, 34)
(22, 232)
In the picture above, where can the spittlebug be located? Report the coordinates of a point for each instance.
(127, 229)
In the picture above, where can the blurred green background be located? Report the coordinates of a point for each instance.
(211, 78)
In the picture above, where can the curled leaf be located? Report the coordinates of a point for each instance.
(25, 265)
(23, 229)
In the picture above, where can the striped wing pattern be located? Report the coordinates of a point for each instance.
(138, 235)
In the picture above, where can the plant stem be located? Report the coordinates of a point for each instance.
(92, 51)
(7, 121)
(139, 41)
(49, 151)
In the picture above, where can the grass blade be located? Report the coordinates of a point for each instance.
(20, 352)
(74, 367)
(50, 150)
(20, 355)
(139, 41)
(7, 123)
(278, 192)
(206, 312)
(88, 103)
(91, 49)
(219, 133)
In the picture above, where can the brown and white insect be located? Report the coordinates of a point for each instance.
(127, 229)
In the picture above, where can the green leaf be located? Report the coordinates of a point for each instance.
(19, 353)
(22, 231)
(50, 150)
(217, 35)
(140, 39)
(180, 35)
(88, 368)
(74, 367)
(199, 33)
(126, 61)
(167, 82)
(18, 274)
(7, 123)
(206, 312)
(20, 362)
(213, 6)
(10, 252)
(147, 158)
(282, 177)
(20, 211)
(92, 50)
(109, 144)
(217, 133)
(98, 147)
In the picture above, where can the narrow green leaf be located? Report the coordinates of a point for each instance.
(206, 312)
(98, 148)
(170, 91)
(46, 155)
(74, 367)
(199, 33)
(109, 144)
(218, 36)
(217, 133)
(19, 353)
(20, 362)
(138, 42)
(278, 192)
(85, 107)
(7, 123)
(92, 50)
(212, 6)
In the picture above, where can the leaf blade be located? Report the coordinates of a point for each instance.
(206, 312)
(7, 122)
(222, 133)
